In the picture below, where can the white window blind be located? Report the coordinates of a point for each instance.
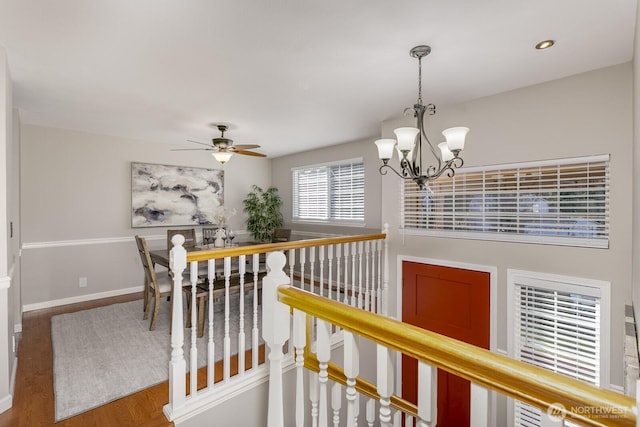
(329, 192)
(563, 201)
(556, 327)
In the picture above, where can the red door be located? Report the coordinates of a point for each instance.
(452, 302)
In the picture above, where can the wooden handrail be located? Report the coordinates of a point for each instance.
(281, 246)
(530, 384)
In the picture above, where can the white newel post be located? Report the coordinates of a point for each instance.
(177, 365)
(275, 331)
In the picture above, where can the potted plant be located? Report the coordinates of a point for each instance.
(263, 212)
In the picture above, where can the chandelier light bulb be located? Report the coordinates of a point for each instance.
(455, 137)
(406, 137)
(446, 153)
(385, 148)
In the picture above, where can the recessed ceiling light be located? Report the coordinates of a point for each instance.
(545, 44)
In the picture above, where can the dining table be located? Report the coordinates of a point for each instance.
(161, 257)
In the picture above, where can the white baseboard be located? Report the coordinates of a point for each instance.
(80, 298)
(17, 328)
(5, 403)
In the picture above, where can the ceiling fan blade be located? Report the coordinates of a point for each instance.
(250, 153)
(243, 147)
(198, 142)
(192, 149)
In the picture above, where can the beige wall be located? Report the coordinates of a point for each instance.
(580, 115)
(281, 178)
(76, 209)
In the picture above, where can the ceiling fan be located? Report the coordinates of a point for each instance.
(223, 148)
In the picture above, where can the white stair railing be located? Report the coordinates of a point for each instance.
(485, 370)
(238, 272)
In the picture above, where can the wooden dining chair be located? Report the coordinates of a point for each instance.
(155, 285)
(189, 235)
(281, 235)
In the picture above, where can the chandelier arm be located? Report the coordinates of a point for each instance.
(423, 133)
(383, 171)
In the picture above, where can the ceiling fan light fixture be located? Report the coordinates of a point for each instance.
(222, 156)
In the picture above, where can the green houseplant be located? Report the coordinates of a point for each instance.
(263, 212)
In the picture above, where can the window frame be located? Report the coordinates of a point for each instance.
(582, 286)
(330, 199)
(422, 219)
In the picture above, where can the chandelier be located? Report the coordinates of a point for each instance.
(409, 141)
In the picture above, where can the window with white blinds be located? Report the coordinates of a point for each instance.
(557, 326)
(329, 192)
(563, 202)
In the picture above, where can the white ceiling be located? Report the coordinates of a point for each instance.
(288, 75)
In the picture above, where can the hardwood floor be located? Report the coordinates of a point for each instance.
(33, 400)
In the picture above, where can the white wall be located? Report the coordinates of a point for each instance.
(580, 115)
(76, 210)
(8, 250)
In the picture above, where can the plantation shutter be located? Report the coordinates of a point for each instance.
(563, 201)
(347, 191)
(556, 327)
(312, 198)
(329, 192)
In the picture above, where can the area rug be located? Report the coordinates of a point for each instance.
(106, 353)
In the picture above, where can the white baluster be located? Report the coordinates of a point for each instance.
(427, 395)
(354, 256)
(275, 332)
(330, 266)
(338, 271)
(346, 273)
(193, 360)
(227, 337)
(242, 265)
(408, 420)
(303, 261)
(367, 283)
(351, 371)
(370, 412)
(299, 341)
(385, 384)
(254, 332)
(479, 412)
(379, 276)
(313, 397)
(321, 263)
(292, 263)
(385, 268)
(360, 284)
(177, 365)
(324, 355)
(211, 344)
(336, 403)
(312, 265)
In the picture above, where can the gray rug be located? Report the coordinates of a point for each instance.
(103, 354)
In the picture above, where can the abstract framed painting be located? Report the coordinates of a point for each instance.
(166, 196)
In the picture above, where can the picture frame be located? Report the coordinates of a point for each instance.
(167, 195)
